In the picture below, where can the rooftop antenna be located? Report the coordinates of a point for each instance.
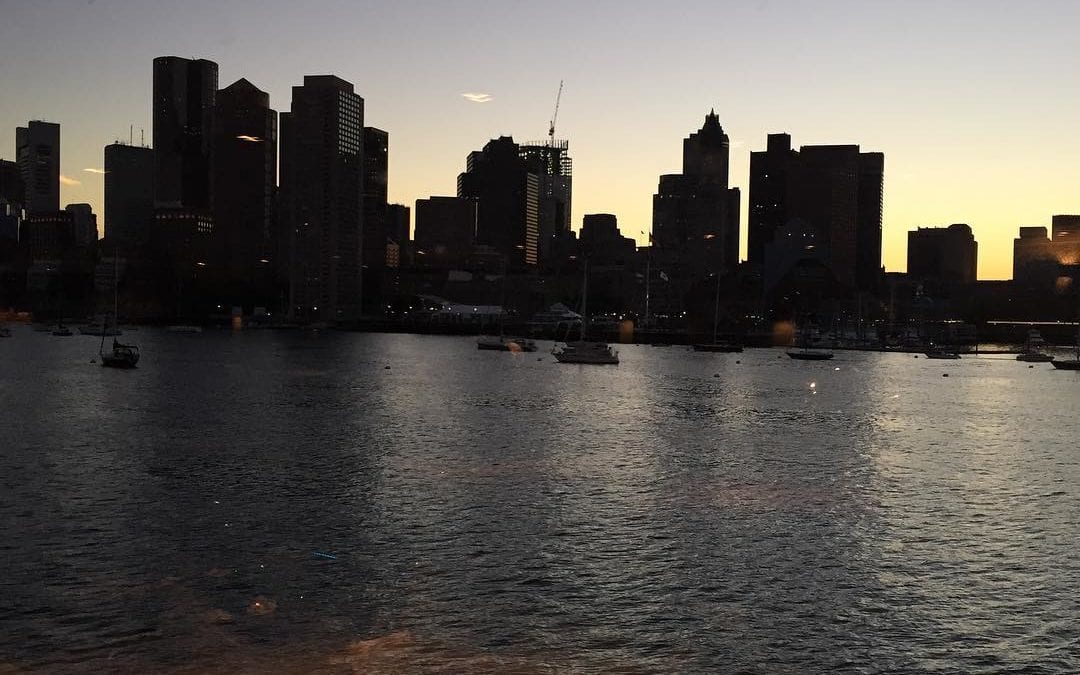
(555, 115)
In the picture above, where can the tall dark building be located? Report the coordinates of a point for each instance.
(12, 198)
(695, 213)
(184, 92)
(376, 167)
(129, 193)
(829, 193)
(322, 188)
(397, 224)
(244, 175)
(945, 255)
(37, 151)
(399, 251)
(552, 165)
(445, 230)
(507, 192)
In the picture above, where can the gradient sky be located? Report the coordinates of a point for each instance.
(974, 103)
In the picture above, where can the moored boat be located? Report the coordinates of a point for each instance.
(585, 352)
(505, 344)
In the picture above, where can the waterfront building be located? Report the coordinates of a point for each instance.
(945, 256)
(37, 152)
(129, 193)
(696, 213)
(244, 152)
(835, 191)
(506, 189)
(445, 231)
(322, 188)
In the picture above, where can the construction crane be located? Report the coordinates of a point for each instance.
(555, 115)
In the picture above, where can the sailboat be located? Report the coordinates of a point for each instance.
(121, 355)
(1032, 352)
(585, 351)
(804, 352)
(501, 342)
(715, 345)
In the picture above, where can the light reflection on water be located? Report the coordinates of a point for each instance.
(489, 512)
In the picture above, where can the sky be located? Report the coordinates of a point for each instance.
(974, 103)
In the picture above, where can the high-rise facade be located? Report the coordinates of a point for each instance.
(376, 144)
(129, 193)
(184, 93)
(945, 255)
(507, 193)
(831, 194)
(37, 152)
(695, 213)
(550, 161)
(322, 188)
(244, 150)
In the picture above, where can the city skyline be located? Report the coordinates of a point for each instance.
(972, 111)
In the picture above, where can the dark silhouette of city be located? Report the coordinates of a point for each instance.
(239, 215)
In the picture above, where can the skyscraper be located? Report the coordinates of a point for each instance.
(37, 151)
(695, 213)
(507, 192)
(184, 92)
(828, 193)
(244, 175)
(376, 166)
(129, 193)
(12, 198)
(552, 165)
(322, 187)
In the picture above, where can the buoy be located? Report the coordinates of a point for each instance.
(738, 362)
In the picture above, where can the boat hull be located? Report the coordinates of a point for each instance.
(1034, 358)
(506, 344)
(810, 355)
(1067, 365)
(718, 347)
(587, 353)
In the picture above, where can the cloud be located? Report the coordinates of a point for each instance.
(98, 171)
(64, 180)
(477, 97)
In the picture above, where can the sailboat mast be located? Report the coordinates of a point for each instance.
(585, 303)
(716, 309)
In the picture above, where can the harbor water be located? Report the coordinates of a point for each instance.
(295, 502)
